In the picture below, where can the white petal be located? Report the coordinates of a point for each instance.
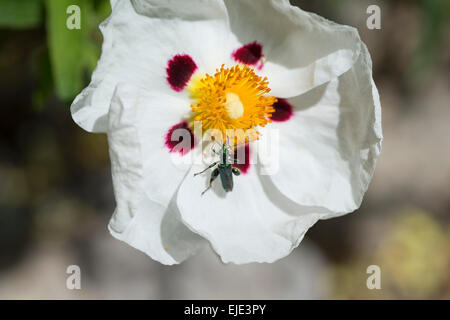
(137, 47)
(186, 10)
(144, 176)
(328, 149)
(253, 223)
(286, 82)
(302, 50)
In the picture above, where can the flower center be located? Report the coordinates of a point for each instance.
(233, 99)
(234, 106)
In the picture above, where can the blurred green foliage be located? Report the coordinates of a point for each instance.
(72, 53)
(66, 46)
(435, 15)
(20, 13)
(413, 254)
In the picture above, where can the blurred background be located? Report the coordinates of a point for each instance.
(56, 195)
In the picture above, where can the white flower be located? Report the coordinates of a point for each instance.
(149, 82)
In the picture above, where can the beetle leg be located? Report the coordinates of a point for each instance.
(214, 176)
(236, 171)
(212, 165)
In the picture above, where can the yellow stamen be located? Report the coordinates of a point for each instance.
(234, 98)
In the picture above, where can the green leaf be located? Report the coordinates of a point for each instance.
(103, 10)
(91, 55)
(40, 67)
(99, 10)
(20, 13)
(427, 52)
(66, 46)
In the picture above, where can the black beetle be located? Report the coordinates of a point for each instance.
(224, 168)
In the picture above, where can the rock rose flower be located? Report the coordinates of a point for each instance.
(238, 64)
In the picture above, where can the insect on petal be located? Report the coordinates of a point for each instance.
(179, 71)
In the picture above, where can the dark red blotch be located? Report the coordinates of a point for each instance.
(174, 140)
(283, 110)
(246, 163)
(249, 54)
(179, 70)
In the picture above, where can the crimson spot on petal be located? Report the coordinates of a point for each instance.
(180, 138)
(250, 53)
(242, 158)
(283, 110)
(179, 70)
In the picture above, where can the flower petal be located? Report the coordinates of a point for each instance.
(329, 148)
(283, 110)
(145, 176)
(138, 46)
(175, 138)
(252, 223)
(241, 158)
(302, 50)
(180, 70)
(176, 9)
(250, 53)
